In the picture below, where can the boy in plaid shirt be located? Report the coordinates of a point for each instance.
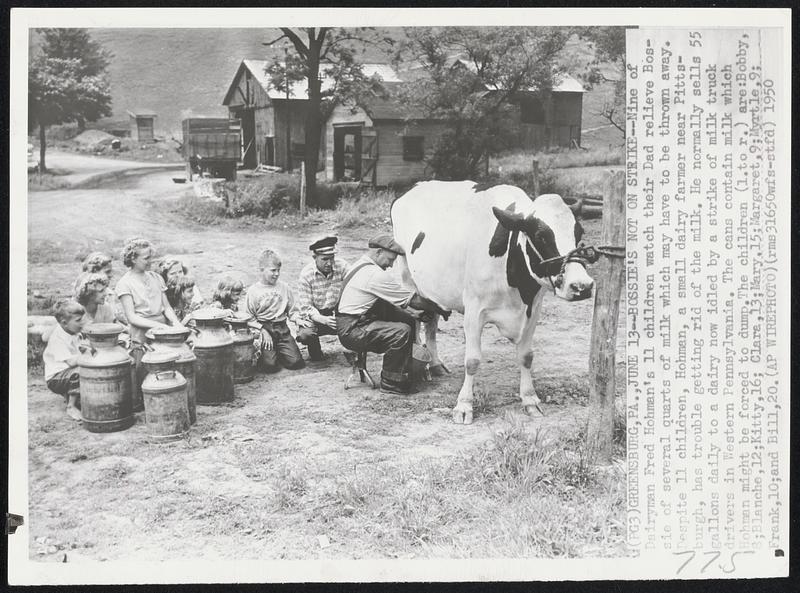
(318, 290)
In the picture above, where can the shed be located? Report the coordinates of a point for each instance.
(273, 122)
(141, 121)
(379, 141)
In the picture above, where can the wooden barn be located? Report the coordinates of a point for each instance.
(142, 124)
(271, 121)
(552, 118)
(378, 142)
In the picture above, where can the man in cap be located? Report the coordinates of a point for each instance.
(318, 290)
(372, 313)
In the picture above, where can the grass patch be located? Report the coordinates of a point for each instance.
(51, 180)
(559, 159)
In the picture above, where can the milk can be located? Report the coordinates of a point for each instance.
(166, 406)
(213, 347)
(244, 365)
(106, 381)
(173, 339)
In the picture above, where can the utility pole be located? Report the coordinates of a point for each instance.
(288, 111)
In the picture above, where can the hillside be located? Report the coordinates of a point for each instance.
(183, 72)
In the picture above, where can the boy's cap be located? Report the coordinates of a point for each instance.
(324, 246)
(386, 242)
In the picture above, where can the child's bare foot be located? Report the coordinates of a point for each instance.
(74, 413)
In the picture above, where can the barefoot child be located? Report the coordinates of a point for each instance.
(271, 303)
(61, 356)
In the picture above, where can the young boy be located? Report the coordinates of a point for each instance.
(271, 303)
(61, 356)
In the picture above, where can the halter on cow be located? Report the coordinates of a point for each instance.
(488, 254)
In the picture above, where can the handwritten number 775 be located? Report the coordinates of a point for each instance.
(714, 554)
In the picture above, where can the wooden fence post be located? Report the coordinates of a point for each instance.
(609, 279)
(302, 189)
(536, 187)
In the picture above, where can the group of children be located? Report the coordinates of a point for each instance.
(144, 299)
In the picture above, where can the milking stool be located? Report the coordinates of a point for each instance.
(358, 365)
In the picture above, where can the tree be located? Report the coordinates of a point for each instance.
(67, 82)
(471, 77)
(608, 67)
(328, 52)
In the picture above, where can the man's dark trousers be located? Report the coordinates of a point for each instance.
(384, 329)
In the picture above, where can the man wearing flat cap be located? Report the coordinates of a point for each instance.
(318, 290)
(372, 314)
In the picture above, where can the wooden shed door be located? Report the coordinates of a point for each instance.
(369, 155)
(347, 153)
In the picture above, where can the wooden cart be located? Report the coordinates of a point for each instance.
(211, 145)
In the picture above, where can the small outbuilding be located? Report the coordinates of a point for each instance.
(379, 142)
(142, 124)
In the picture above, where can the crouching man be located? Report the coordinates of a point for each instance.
(373, 316)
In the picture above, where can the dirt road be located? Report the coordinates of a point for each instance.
(265, 476)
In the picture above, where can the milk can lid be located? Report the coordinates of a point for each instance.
(167, 331)
(209, 314)
(100, 329)
(239, 318)
(160, 357)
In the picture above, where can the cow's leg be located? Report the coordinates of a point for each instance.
(473, 327)
(437, 366)
(509, 326)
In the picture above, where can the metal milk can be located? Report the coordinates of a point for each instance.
(165, 402)
(244, 365)
(213, 347)
(106, 381)
(173, 339)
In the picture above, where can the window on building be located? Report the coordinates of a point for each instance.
(531, 111)
(413, 149)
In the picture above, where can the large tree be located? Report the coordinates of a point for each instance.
(469, 77)
(67, 82)
(330, 53)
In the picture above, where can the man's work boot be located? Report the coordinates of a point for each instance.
(314, 349)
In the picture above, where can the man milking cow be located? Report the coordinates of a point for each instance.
(374, 313)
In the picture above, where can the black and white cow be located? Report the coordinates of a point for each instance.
(491, 255)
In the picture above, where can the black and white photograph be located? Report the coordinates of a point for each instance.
(394, 298)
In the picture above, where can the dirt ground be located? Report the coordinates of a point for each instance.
(200, 497)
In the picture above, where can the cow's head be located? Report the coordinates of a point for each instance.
(538, 245)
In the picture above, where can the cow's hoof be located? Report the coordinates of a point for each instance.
(462, 415)
(534, 410)
(439, 370)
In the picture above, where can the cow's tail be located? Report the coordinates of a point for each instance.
(404, 273)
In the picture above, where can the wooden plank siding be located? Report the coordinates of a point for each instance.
(391, 167)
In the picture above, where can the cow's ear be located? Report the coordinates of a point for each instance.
(510, 220)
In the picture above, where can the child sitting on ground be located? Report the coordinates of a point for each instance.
(271, 303)
(227, 295)
(91, 291)
(180, 294)
(142, 294)
(171, 269)
(61, 356)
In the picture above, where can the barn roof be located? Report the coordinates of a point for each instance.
(299, 90)
(140, 112)
(390, 107)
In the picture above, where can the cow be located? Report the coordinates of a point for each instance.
(490, 254)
